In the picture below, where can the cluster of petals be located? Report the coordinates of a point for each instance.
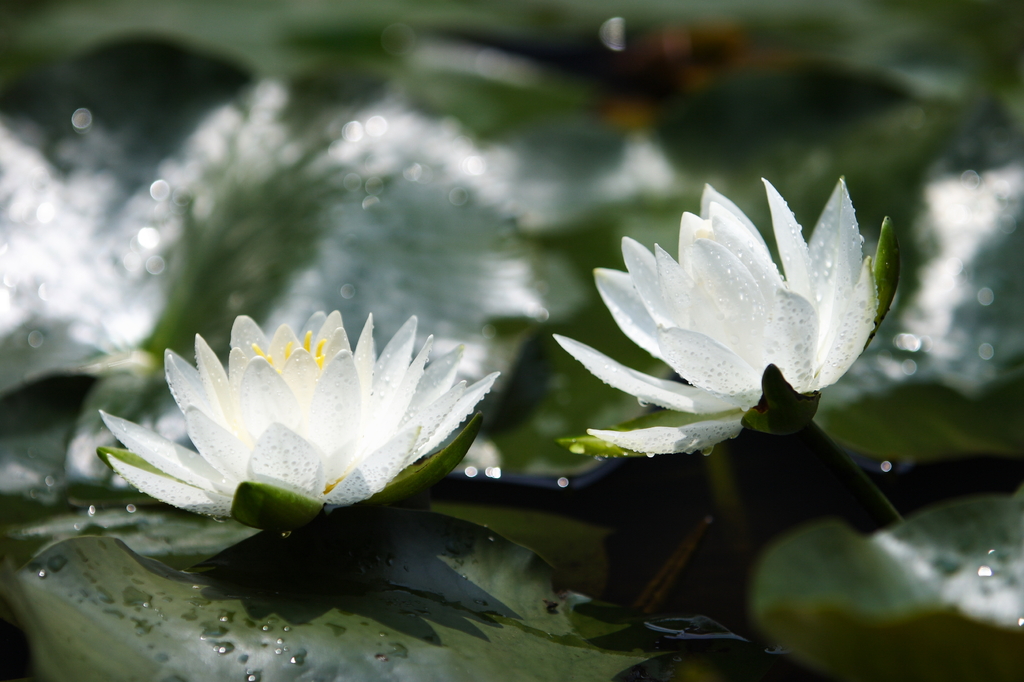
(722, 312)
(305, 413)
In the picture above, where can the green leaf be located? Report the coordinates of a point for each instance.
(367, 593)
(269, 507)
(128, 457)
(596, 447)
(781, 410)
(421, 475)
(36, 423)
(886, 270)
(938, 597)
(575, 549)
(175, 537)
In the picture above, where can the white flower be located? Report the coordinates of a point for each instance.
(303, 413)
(722, 313)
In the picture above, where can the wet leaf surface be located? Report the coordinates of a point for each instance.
(574, 549)
(937, 597)
(366, 593)
(176, 538)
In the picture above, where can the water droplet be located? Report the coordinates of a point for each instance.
(135, 597)
(299, 658)
(223, 647)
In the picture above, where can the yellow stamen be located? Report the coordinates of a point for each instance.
(332, 486)
(259, 352)
(309, 339)
(320, 353)
(288, 350)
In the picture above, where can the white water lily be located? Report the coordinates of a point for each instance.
(304, 413)
(722, 313)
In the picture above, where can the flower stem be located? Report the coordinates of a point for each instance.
(852, 476)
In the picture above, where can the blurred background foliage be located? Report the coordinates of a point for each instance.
(167, 166)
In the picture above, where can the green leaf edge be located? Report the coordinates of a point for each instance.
(421, 475)
(129, 458)
(269, 507)
(886, 270)
(782, 410)
(782, 616)
(587, 444)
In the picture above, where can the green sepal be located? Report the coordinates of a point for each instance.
(128, 457)
(597, 447)
(886, 270)
(421, 475)
(268, 507)
(781, 410)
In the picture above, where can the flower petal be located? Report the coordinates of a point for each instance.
(168, 457)
(350, 490)
(836, 256)
(709, 365)
(732, 300)
(332, 331)
(643, 270)
(279, 347)
(328, 326)
(628, 311)
(333, 344)
(301, 372)
(791, 340)
(384, 463)
(365, 355)
(392, 365)
(335, 413)
(677, 285)
(668, 394)
(314, 323)
(691, 228)
(265, 399)
(185, 384)
(215, 383)
(244, 333)
(174, 492)
(392, 414)
(455, 416)
(713, 196)
(792, 247)
(852, 329)
(663, 440)
(218, 446)
(753, 254)
(438, 378)
(283, 457)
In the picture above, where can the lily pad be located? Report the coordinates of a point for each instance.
(36, 423)
(176, 538)
(575, 549)
(364, 593)
(937, 597)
